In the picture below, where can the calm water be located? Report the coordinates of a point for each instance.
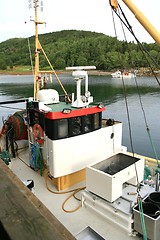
(110, 92)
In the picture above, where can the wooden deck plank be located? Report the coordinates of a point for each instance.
(22, 215)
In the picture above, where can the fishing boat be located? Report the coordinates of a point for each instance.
(62, 144)
(124, 74)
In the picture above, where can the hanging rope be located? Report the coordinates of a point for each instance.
(146, 124)
(141, 46)
(74, 191)
(140, 206)
(128, 116)
(124, 89)
(127, 108)
(119, 56)
(67, 96)
(114, 23)
(143, 50)
(146, 55)
(36, 161)
(54, 72)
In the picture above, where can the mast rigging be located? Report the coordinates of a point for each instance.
(140, 17)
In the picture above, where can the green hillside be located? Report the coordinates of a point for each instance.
(74, 48)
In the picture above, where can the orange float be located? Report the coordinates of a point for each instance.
(38, 133)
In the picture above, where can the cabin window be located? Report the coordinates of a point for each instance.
(50, 128)
(76, 126)
(96, 121)
(62, 128)
(87, 123)
(70, 127)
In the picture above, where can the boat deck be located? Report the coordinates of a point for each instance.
(80, 223)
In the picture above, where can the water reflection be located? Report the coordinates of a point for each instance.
(110, 92)
(103, 88)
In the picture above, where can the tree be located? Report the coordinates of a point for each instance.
(101, 64)
(81, 61)
(71, 47)
(60, 63)
(3, 65)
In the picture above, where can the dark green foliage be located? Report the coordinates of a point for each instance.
(74, 48)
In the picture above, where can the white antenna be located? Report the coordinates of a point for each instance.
(80, 73)
(81, 68)
(30, 5)
(39, 4)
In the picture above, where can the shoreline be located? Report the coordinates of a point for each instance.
(58, 72)
(140, 72)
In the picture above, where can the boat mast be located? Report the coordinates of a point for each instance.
(36, 73)
(140, 17)
(38, 48)
(37, 51)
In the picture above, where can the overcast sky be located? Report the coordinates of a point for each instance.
(91, 15)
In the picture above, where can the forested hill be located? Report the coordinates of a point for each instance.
(75, 48)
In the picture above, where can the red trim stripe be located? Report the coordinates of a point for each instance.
(74, 113)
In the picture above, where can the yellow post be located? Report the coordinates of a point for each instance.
(36, 76)
(114, 4)
(143, 21)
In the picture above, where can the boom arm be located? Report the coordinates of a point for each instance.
(140, 17)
